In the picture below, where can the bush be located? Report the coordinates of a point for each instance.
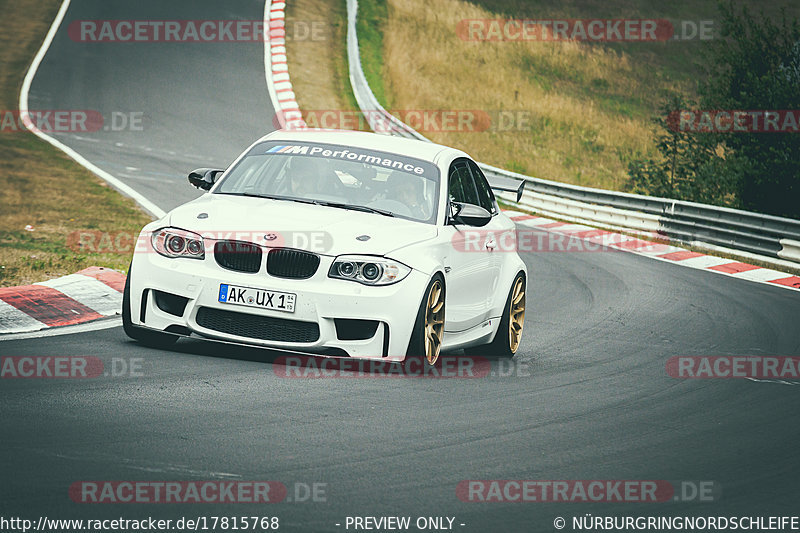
(754, 65)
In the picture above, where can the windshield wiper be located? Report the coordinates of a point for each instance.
(271, 197)
(356, 208)
(313, 202)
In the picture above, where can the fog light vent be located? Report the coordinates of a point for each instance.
(170, 303)
(348, 329)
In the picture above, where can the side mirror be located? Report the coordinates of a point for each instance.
(204, 178)
(470, 215)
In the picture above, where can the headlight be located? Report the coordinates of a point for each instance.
(347, 269)
(368, 270)
(173, 242)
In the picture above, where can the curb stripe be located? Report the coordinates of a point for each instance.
(12, 320)
(733, 268)
(87, 295)
(47, 305)
(276, 69)
(680, 256)
(93, 294)
(791, 281)
(656, 250)
(112, 278)
(706, 261)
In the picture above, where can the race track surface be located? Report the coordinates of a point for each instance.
(587, 396)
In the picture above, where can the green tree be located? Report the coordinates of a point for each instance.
(690, 166)
(755, 65)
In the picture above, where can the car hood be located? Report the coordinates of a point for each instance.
(275, 223)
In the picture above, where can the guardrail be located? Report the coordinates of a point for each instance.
(772, 239)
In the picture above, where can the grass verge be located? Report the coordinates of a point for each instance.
(370, 26)
(571, 111)
(43, 189)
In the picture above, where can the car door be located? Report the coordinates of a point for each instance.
(499, 234)
(469, 266)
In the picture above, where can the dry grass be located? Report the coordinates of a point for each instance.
(318, 67)
(42, 187)
(589, 105)
(570, 136)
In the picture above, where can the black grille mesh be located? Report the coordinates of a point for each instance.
(288, 263)
(257, 327)
(238, 256)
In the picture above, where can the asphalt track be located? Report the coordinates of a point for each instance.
(588, 396)
(200, 103)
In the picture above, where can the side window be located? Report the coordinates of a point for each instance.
(462, 187)
(485, 196)
(456, 192)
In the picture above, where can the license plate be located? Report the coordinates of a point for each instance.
(261, 298)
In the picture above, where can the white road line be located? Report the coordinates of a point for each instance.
(146, 204)
(777, 381)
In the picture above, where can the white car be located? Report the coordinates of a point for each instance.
(334, 243)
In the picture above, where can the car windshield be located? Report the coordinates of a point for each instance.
(337, 176)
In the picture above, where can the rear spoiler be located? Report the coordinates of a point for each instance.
(499, 183)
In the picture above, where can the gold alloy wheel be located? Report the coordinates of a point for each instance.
(516, 315)
(434, 322)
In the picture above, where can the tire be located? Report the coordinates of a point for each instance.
(147, 337)
(509, 333)
(426, 339)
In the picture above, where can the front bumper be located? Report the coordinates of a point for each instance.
(320, 300)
